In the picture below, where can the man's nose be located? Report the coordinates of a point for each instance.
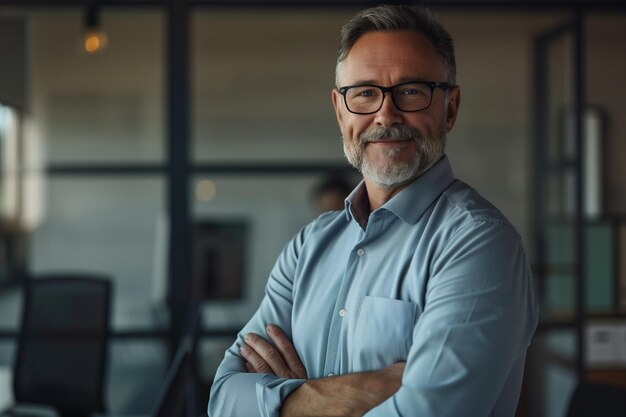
(388, 114)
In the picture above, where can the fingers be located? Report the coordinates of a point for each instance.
(254, 362)
(287, 351)
(263, 355)
(280, 359)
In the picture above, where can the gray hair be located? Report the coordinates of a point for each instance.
(390, 18)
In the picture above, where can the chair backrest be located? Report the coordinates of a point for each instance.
(593, 400)
(176, 397)
(62, 346)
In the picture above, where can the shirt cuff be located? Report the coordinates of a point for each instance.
(272, 391)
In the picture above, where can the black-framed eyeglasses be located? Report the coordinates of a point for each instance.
(409, 96)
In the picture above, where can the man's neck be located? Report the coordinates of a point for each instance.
(378, 195)
(371, 198)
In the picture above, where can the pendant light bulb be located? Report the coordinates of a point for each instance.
(94, 38)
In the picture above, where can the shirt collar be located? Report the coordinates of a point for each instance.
(410, 203)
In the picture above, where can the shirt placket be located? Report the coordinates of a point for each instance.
(337, 333)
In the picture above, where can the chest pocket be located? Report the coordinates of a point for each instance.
(383, 333)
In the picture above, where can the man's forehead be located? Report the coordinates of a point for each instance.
(400, 55)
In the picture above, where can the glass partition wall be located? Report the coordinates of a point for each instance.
(89, 127)
(552, 361)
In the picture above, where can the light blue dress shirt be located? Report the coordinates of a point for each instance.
(438, 278)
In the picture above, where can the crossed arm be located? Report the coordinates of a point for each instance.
(347, 395)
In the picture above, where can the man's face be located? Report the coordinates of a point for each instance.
(392, 147)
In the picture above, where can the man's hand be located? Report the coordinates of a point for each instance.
(281, 359)
(346, 395)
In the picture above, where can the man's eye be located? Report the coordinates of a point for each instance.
(366, 93)
(410, 92)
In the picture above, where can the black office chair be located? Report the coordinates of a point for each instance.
(177, 394)
(62, 345)
(597, 400)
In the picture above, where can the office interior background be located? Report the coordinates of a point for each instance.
(181, 158)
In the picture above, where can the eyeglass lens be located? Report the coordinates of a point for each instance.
(407, 97)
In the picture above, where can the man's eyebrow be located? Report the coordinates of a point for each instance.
(400, 81)
(364, 82)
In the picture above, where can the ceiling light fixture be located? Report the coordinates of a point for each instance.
(94, 38)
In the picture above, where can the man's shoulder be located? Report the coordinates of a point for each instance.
(462, 204)
(462, 215)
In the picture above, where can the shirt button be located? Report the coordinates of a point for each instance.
(360, 252)
(342, 312)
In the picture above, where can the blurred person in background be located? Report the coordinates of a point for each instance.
(330, 193)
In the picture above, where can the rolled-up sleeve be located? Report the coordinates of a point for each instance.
(469, 343)
(236, 393)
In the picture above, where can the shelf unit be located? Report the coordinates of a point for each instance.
(579, 250)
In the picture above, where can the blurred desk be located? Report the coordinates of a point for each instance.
(615, 377)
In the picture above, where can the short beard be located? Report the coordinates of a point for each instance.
(428, 150)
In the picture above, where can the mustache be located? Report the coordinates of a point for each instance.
(391, 133)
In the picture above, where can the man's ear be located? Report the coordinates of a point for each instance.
(454, 101)
(336, 97)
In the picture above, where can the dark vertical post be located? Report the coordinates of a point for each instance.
(579, 261)
(179, 280)
(540, 164)
(617, 250)
(542, 168)
(539, 205)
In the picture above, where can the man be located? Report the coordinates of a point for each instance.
(416, 300)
